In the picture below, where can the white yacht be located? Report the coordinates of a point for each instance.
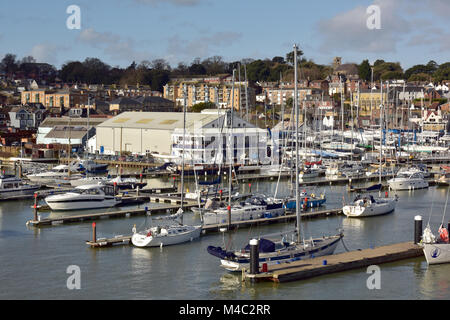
(84, 197)
(13, 186)
(369, 206)
(57, 173)
(408, 181)
(165, 235)
(238, 213)
(89, 181)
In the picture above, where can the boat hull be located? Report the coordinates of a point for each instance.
(327, 247)
(141, 240)
(369, 211)
(400, 184)
(437, 253)
(80, 203)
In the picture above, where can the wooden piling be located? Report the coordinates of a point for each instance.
(94, 232)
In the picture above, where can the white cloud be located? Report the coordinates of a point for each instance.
(45, 52)
(113, 45)
(348, 30)
(180, 49)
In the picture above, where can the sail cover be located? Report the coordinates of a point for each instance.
(264, 246)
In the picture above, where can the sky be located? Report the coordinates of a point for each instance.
(122, 31)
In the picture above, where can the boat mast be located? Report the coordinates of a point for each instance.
(231, 152)
(381, 130)
(297, 195)
(182, 158)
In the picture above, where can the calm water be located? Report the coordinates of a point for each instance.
(34, 260)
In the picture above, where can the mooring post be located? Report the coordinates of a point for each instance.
(229, 217)
(94, 232)
(35, 207)
(254, 256)
(417, 229)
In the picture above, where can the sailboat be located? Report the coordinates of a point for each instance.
(275, 251)
(437, 250)
(173, 233)
(170, 234)
(368, 205)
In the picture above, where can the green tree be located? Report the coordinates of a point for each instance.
(290, 56)
(364, 70)
(202, 106)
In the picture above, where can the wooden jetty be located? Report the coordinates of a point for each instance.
(104, 215)
(121, 239)
(305, 269)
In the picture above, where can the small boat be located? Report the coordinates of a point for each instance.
(369, 206)
(56, 174)
(166, 235)
(12, 186)
(443, 180)
(416, 168)
(408, 181)
(126, 183)
(276, 251)
(89, 181)
(93, 167)
(308, 173)
(84, 197)
(307, 201)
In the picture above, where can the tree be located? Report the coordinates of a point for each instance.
(290, 56)
(442, 74)
(278, 60)
(160, 64)
(364, 70)
(9, 63)
(202, 106)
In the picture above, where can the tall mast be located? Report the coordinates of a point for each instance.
(246, 92)
(297, 195)
(231, 151)
(182, 156)
(381, 129)
(342, 111)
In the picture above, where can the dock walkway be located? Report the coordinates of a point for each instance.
(304, 269)
(213, 228)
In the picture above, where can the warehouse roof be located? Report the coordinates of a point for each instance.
(158, 120)
(54, 121)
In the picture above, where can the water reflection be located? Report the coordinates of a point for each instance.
(435, 283)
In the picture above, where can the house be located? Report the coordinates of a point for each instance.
(26, 117)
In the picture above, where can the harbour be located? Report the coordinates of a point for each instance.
(179, 156)
(218, 283)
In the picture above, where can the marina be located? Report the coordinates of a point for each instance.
(179, 156)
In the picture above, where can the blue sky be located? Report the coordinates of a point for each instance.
(121, 31)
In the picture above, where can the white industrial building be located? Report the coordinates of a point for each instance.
(208, 137)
